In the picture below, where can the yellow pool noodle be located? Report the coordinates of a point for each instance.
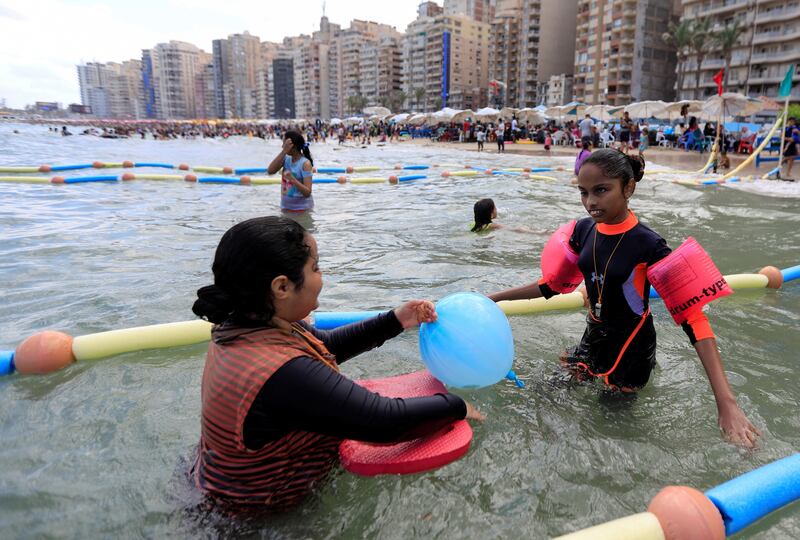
(366, 169)
(757, 151)
(573, 300)
(644, 526)
(158, 336)
(368, 180)
(26, 179)
(148, 176)
(19, 169)
(464, 173)
(205, 169)
(264, 180)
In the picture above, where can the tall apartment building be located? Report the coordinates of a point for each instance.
(480, 10)
(620, 55)
(205, 91)
(175, 66)
(283, 86)
(445, 61)
(236, 60)
(504, 54)
(265, 96)
(148, 84)
(532, 40)
(126, 90)
(311, 77)
(763, 53)
(356, 55)
(111, 89)
(94, 78)
(559, 90)
(381, 73)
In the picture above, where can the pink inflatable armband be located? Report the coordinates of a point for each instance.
(687, 279)
(559, 263)
(424, 454)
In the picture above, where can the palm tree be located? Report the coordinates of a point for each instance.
(679, 36)
(699, 43)
(356, 103)
(727, 39)
(396, 99)
(419, 96)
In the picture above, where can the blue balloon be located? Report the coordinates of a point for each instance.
(470, 345)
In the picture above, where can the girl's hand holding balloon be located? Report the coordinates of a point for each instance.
(415, 312)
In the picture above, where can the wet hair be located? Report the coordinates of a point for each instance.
(585, 145)
(300, 143)
(249, 256)
(615, 164)
(483, 214)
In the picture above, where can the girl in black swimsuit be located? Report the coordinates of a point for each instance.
(615, 250)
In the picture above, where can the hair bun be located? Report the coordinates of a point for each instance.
(637, 164)
(213, 304)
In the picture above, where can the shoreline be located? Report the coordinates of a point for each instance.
(666, 157)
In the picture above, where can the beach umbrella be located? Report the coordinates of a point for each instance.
(555, 112)
(531, 115)
(417, 119)
(487, 114)
(399, 118)
(353, 120)
(444, 115)
(540, 108)
(466, 114)
(381, 111)
(604, 113)
(336, 121)
(728, 104)
(672, 111)
(754, 106)
(645, 109)
(507, 112)
(574, 108)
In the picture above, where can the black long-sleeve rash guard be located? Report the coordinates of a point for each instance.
(304, 394)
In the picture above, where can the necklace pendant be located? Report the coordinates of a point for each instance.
(597, 307)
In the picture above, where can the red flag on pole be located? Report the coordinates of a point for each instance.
(718, 79)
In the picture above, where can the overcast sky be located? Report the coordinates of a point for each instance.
(41, 41)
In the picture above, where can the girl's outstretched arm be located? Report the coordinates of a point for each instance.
(524, 292)
(732, 421)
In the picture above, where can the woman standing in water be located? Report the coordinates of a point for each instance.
(296, 162)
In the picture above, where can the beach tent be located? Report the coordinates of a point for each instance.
(645, 109)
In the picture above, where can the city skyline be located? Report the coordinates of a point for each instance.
(39, 59)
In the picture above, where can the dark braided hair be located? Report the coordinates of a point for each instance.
(249, 256)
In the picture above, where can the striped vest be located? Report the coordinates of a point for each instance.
(282, 472)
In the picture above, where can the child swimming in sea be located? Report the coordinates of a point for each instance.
(484, 212)
(614, 252)
(274, 406)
